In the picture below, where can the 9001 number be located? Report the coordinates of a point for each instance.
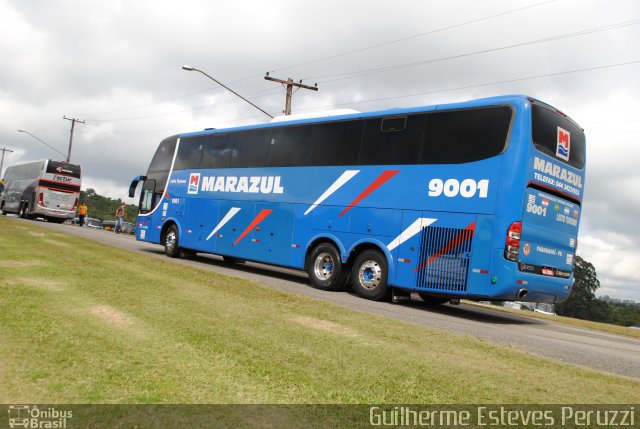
(468, 188)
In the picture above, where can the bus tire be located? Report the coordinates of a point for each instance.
(24, 210)
(432, 300)
(369, 275)
(171, 242)
(325, 268)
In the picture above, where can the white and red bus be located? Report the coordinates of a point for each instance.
(46, 188)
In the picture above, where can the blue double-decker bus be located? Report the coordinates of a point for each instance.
(478, 200)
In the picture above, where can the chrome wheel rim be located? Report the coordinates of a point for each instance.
(170, 241)
(369, 274)
(323, 266)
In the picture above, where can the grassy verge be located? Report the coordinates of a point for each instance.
(85, 323)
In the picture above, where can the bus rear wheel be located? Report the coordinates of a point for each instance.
(24, 211)
(325, 268)
(369, 275)
(171, 248)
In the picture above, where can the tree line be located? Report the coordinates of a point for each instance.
(104, 208)
(583, 303)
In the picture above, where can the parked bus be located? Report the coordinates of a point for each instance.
(46, 188)
(478, 200)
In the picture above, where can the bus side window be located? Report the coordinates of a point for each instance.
(336, 143)
(459, 136)
(189, 152)
(250, 148)
(216, 153)
(395, 140)
(289, 146)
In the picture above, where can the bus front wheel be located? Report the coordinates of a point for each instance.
(325, 268)
(171, 248)
(369, 275)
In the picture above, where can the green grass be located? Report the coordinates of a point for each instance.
(81, 322)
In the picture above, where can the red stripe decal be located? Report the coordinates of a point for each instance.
(381, 180)
(261, 216)
(455, 242)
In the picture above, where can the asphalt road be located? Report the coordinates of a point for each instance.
(594, 349)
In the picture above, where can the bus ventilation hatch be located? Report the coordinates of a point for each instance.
(444, 254)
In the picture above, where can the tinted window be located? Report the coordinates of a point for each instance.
(458, 136)
(546, 135)
(336, 143)
(217, 152)
(164, 155)
(66, 169)
(189, 152)
(290, 146)
(250, 148)
(392, 140)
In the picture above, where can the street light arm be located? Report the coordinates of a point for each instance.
(43, 142)
(189, 68)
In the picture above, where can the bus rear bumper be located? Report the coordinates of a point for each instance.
(47, 212)
(509, 283)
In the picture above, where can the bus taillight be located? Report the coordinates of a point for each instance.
(41, 199)
(512, 242)
(75, 204)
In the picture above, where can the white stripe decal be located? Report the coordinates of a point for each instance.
(231, 213)
(416, 227)
(344, 178)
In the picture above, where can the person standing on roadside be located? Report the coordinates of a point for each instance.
(82, 213)
(119, 218)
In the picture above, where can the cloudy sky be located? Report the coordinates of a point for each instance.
(117, 66)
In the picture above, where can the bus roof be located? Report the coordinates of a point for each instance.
(320, 117)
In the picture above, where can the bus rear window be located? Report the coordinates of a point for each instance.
(557, 136)
(63, 168)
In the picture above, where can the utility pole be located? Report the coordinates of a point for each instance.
(289, 85)
(4, 149)
(73, 124)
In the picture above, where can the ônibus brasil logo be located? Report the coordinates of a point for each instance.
(564, 144)
(194, 183)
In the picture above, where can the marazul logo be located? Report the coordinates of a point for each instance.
(245, 184)
(564, 144)
(194, 181)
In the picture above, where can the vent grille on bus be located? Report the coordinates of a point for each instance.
(444, 256)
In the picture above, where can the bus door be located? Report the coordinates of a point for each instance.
(234, 228)
(273, 232)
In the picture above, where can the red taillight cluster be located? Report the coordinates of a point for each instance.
(75, 204)
(41, 199)
(512, 242)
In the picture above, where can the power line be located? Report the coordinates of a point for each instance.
(436, 91)
(403, 39)
(473, 21)
(367, 72)
(483, 84)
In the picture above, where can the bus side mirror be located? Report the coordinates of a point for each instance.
(134, 185)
